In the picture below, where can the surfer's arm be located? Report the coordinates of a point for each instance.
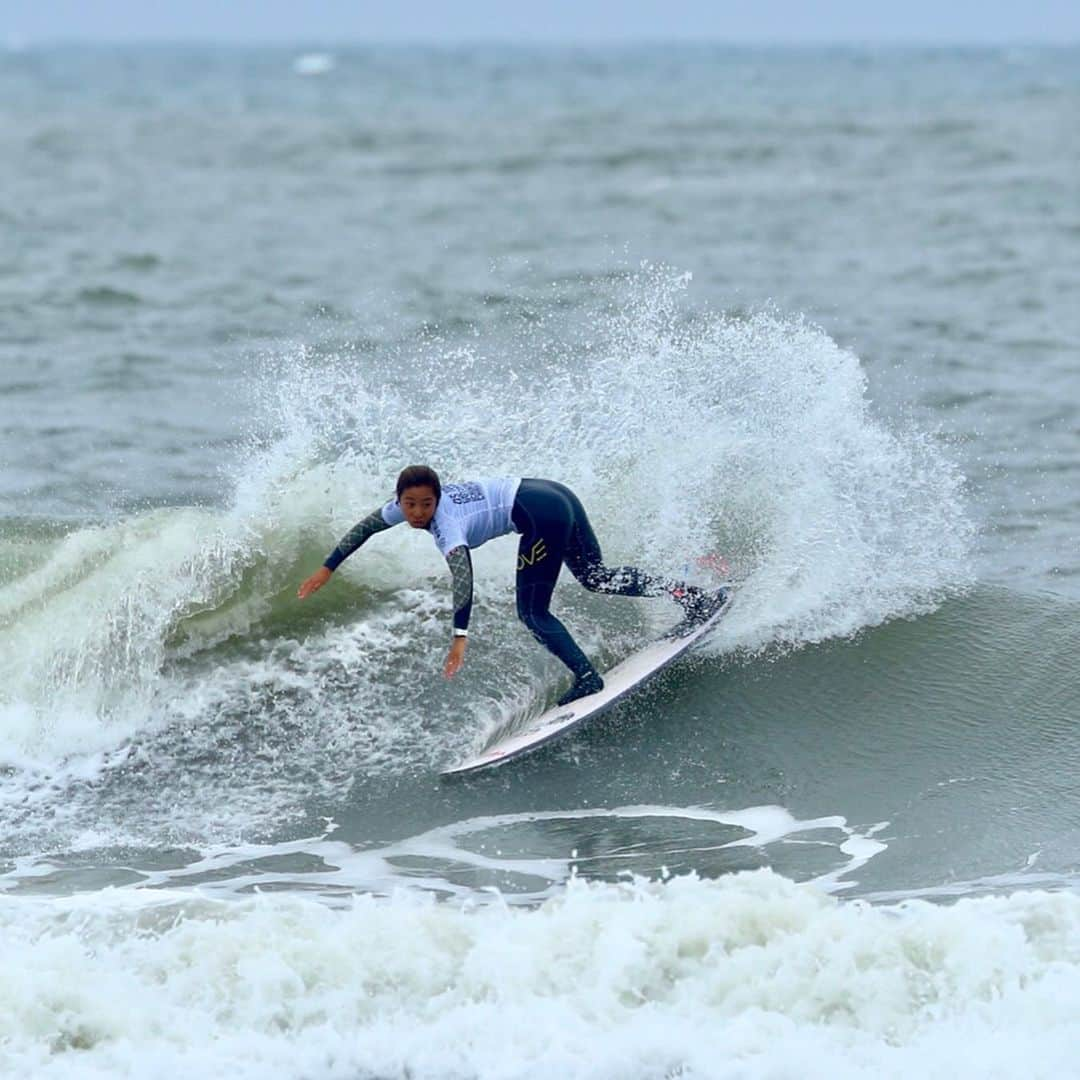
(361, 532)
(460, 563)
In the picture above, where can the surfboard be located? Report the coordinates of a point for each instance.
(620, 681)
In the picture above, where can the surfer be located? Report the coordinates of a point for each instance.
(554, 529)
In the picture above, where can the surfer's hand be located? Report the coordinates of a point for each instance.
(315, 582)
(455, 657)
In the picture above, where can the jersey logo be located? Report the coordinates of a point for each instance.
(460, 494)
(537, 554)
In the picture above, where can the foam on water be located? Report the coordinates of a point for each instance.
(520, 858)
(746, 976)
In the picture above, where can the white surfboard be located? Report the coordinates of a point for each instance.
(621, 680)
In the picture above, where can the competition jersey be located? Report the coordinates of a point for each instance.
(470, 513)
(467, 516)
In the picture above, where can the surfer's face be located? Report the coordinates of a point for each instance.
(418, 505)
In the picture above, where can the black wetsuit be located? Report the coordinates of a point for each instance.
(554, 530)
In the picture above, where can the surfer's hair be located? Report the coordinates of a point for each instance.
(419, 476)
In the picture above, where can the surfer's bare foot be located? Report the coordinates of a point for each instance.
(589, 683)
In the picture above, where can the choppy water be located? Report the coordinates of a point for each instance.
(810, 309)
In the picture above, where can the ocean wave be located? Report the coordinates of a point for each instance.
(109, 296)
(748, 976)
(684, 433)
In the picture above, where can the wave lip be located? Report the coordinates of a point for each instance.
(84, 632)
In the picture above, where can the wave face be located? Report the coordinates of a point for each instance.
(684, 435)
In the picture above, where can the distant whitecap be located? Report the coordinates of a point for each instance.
(313, 64)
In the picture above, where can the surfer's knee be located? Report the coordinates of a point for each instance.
(533, 620)
(525, 612)
(541, 624)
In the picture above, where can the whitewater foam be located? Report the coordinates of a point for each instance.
(525, 857)
(747, 976)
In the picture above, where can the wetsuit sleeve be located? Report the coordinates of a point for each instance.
(359, 534)
(460, 562)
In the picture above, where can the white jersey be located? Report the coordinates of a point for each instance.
(471, 513)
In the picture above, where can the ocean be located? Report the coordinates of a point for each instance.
(810, 310)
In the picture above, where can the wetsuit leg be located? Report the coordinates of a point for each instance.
(555, 529)
(586, 563)
(544, 516)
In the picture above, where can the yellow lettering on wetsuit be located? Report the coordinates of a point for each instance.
(538, 552)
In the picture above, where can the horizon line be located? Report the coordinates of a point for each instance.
(15, 42)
